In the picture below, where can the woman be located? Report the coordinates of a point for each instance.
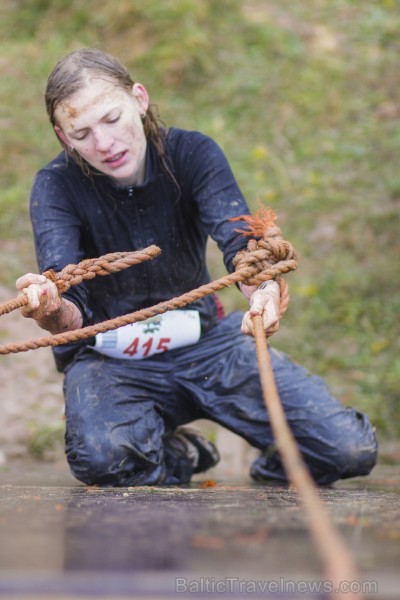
(122, 183)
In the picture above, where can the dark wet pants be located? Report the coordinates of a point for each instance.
(120, 412)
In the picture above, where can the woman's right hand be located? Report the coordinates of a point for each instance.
(42, 296)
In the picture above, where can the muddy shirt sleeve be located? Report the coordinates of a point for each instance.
(57, 228)
(215, 193)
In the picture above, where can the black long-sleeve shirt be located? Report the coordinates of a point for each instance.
(75, 216)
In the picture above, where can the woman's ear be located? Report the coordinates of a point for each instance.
(140, 93)
(60, 135)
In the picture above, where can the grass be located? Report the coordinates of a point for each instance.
(304, 99)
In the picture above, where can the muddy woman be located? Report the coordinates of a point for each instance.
(122, 182)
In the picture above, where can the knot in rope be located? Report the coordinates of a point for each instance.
(257, 260)
(266, 258)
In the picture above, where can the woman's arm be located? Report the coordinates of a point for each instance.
(56, 212)
(219, 199)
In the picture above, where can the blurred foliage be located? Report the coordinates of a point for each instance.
(45, 442)
(304, 97)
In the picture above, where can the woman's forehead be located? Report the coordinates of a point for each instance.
(96, 94)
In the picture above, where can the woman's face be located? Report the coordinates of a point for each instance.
(102, 122)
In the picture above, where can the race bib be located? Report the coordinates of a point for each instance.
(170, 330)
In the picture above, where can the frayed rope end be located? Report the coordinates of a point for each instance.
(257, 224)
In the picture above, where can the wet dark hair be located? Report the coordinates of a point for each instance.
(68, 76)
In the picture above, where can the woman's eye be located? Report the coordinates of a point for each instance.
(79, 135)
(114, 120)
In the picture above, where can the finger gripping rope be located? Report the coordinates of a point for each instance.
(87, 269)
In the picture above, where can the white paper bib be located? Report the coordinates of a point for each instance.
(173, 329)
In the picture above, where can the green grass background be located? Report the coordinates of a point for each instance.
(304, 97)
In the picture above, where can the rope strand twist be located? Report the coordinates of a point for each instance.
(87, 269)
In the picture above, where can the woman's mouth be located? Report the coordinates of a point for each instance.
(116, 160)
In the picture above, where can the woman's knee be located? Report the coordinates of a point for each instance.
(343, 447)
(352, 450)
(92, 461)
(102, 462)
(357, 446)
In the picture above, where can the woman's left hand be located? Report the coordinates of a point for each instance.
(264, 302)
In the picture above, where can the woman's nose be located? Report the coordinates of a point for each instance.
(103, 140)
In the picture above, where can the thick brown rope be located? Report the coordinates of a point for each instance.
(87, 269)
(245, 273)
(265, 259)
(339, 565)
(271, 249)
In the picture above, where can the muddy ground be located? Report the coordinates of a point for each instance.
(31, 407)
